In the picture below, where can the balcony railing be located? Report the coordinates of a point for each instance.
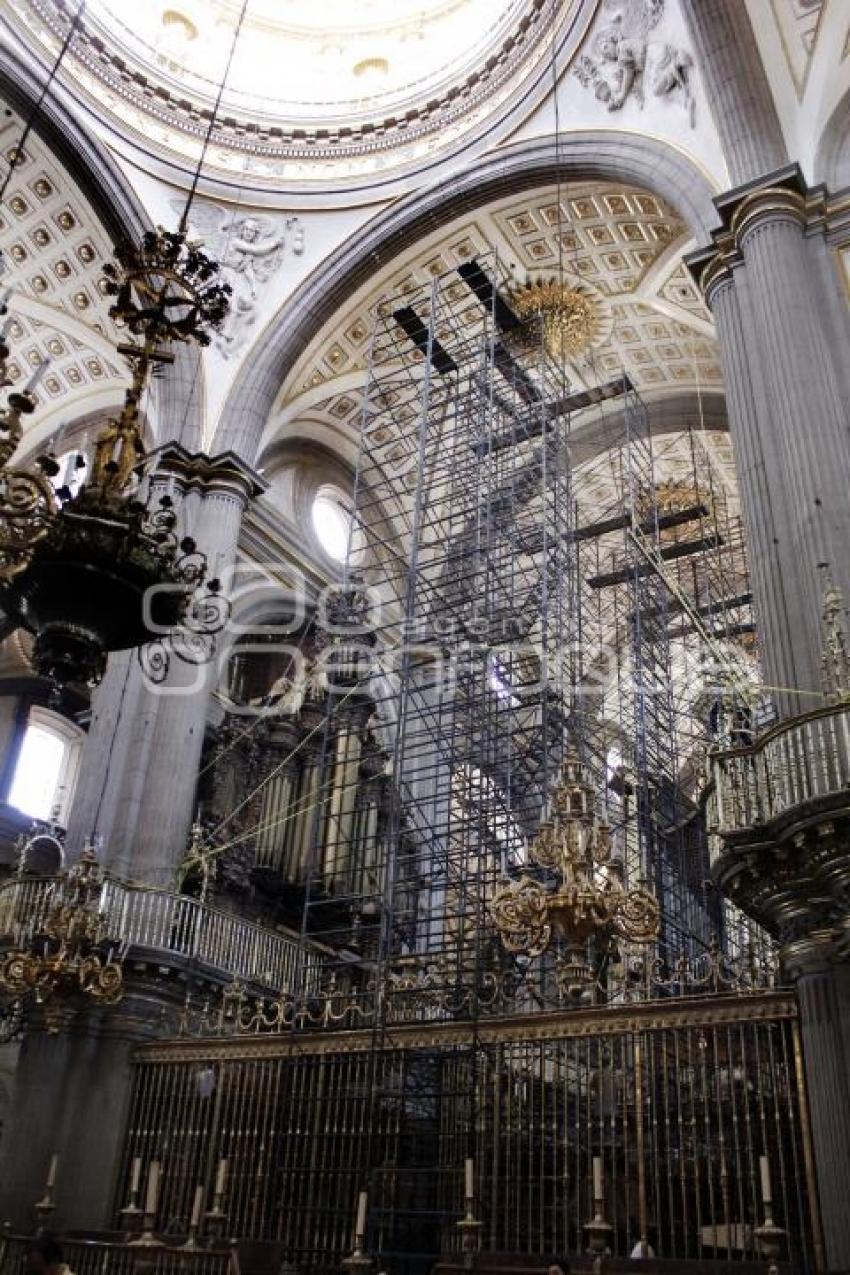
(157, 921)
(804, 759)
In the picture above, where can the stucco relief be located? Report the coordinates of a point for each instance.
(251, 248)
(625, 62)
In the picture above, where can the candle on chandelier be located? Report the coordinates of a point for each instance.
(597, 1178)
(51, 1172)
(766, 1189)
(38, 372)
(153, 1187)
(221, 1177)
(360, 1225)
(469, 1171)
(135, 1175)
(197, 1205)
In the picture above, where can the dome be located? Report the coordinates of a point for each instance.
(320, 95)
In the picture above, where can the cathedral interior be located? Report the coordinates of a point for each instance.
(424, 668)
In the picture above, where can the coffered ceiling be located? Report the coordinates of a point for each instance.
(623, 245)
(55, 250)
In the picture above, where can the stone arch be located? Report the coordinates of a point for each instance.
(116, 204)
(832, 157)
(603, 154)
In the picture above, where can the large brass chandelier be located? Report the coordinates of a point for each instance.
(102, 570)
(66, 949)
(589, 899)
(569, 316)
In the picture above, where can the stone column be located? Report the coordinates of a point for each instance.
(141, 758)
(823, 989)
(71, 1098)
(787, 391)
(737, 87)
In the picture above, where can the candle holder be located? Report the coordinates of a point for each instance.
(470, 1231)
(43, 1210)
(769, 1237)
(358, 1261)
(215, 1220)
(598, 1234)
(131, 1215)
(192, 1237)
(146, 1237)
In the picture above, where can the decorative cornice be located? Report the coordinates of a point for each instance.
(507, 84)
(779, 196)
(196, 471)
(575, 1024)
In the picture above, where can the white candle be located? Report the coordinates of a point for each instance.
(597, 1177)
(51, 1172)
(153, 1187)
(38, 373)
(469, 1167)
(135, 1175)
(221, 1177)
(766, 1192)
(360, 1227)
(197, 1205)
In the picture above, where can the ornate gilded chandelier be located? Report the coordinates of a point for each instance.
(568, 315)
(589, 899)
(67, 950)
(102, 570)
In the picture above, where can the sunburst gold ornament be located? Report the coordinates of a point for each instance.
(568, 314)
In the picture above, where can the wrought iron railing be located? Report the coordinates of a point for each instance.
(801, 760)
(117, 1257)
(155, 920)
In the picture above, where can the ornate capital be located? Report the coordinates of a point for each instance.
(780, 196)
(196, 471)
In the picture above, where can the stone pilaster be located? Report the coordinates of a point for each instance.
(786, 389)
(141, 758)
(71, 1098)
(736, 86)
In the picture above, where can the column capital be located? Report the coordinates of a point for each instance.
(225, 473)
(779, 196)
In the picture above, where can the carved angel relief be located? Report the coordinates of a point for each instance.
(251, 248)
(625, 61)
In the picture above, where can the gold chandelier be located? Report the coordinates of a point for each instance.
(99, 570)
(68, 951)
(590, 898)
(567, 314)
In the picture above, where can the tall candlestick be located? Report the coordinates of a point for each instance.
(469, 1167)
(135, 1175)
(360, 1225)
(51, 1173)
(766, 1190)
(221, 1177)
(153, 1187)
(197, 1206)
(597, 1178)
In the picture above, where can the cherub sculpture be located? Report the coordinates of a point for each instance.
(625, 59)
(250, 249)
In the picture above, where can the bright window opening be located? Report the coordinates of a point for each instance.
(46, 768)
(332, 524)
(37, 773)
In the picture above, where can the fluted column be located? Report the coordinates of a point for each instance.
(143, 751)
(824, 996)
(774, 565)
(736, 87)
(783, 353)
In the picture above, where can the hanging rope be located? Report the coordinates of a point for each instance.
(18, 152)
